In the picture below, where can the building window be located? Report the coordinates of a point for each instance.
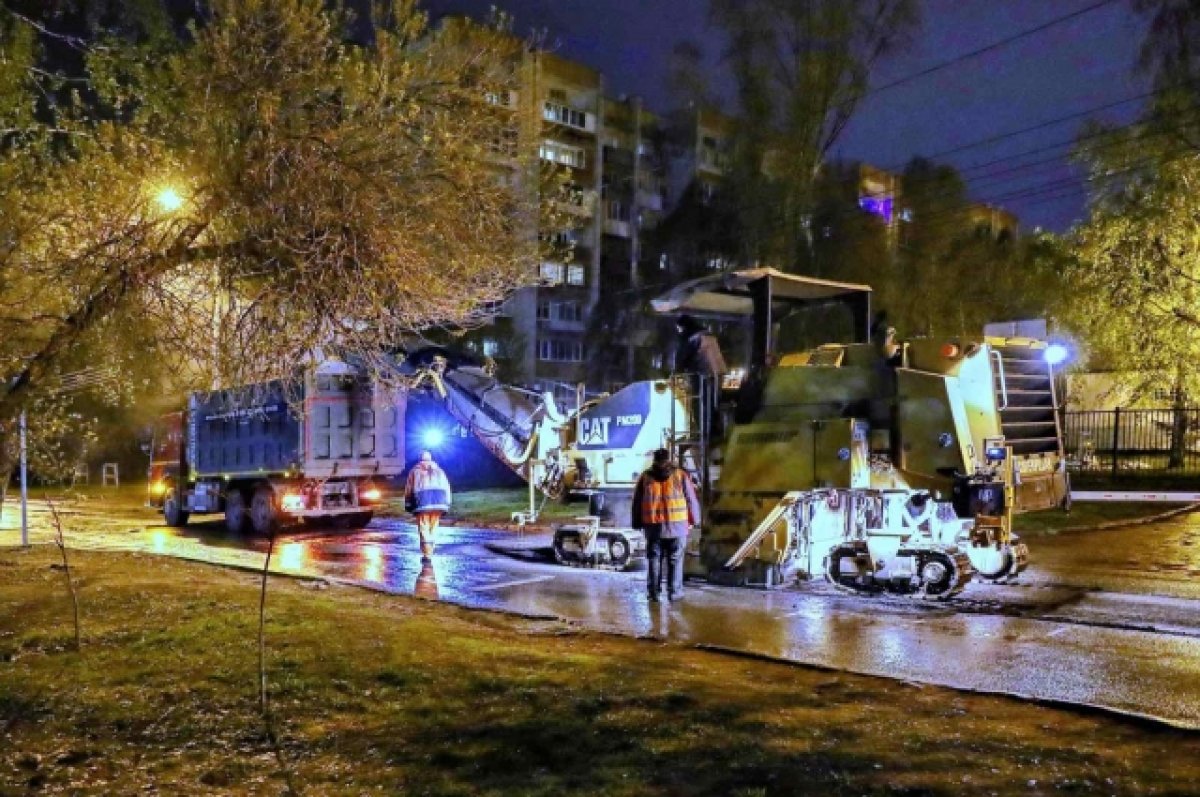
(560, 351)
(561, 238)
(717, 264)
(552, 273)
(505, 99)
(491, 347)
(558, 95)
(568, 311)
(616, 210)
(576, 275)
(663, 262)
(563, 154)
(656, 361)
(504, 142)
(543, 311)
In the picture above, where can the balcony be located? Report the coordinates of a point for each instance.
(581, 203)
(650, 200)
(618, 228)
(563, 154)
(569, 117)
(713, 161)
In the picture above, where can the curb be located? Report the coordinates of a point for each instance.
(1134, 717)
(1142, 521)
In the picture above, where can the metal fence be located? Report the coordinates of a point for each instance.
(1129, 442)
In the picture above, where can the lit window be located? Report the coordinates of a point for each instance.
(491, 347)
(552, 273)
(576, 275)
(656, 361)
(663, 262)
(564, 154)
(555, 112)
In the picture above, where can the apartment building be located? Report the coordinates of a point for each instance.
(613, 149)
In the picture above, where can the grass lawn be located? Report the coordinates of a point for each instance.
(376, 694)
(493, 507)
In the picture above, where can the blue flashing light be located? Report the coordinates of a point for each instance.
(1056, 354)
(433, 437)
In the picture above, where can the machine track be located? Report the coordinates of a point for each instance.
(938, 574)
(611, 550)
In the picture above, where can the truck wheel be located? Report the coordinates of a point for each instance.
(173, 512)
(263, 516)
(237, 519)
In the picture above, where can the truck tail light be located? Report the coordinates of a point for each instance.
(292, 502)
(371, 494)
(950, 350)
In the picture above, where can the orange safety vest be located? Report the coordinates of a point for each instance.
(664, 501)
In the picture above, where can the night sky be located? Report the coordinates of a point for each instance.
(1069, 68)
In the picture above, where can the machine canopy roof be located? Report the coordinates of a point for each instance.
(731, 294)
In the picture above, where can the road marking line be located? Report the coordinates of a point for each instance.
(505, 584)
(795, 614)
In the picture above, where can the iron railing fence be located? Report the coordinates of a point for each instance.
(1125, 442)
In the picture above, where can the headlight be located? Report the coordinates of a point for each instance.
(292, 502)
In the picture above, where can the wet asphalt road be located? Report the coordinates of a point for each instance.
(1108, 618)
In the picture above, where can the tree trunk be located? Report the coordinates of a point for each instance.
(1179, 432)
(1179, 425)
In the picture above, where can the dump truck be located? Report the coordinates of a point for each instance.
(320, 448)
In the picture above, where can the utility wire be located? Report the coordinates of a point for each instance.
(990, 47)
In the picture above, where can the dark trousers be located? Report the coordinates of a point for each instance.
(664, 551)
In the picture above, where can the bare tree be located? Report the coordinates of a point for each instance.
(60, 541)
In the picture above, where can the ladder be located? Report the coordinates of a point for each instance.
(1025, 397)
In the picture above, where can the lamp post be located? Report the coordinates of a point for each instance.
(24, 487)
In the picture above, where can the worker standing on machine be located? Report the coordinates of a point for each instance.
(699, 353)
(427, 495)
(665, 507)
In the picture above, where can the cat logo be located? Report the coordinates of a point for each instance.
(594, 431)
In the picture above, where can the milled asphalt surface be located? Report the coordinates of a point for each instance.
(1107, 618)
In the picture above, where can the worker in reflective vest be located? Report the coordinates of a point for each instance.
(665, 508)
(427, 495)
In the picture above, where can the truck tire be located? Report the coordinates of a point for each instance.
(237, 519)
(173, 512)
(264, 516)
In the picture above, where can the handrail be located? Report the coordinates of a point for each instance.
(1003, 385)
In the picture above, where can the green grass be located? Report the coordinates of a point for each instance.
(495, 507)
(375, 694)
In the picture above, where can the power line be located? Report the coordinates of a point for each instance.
(990, 47)
(1040, 126)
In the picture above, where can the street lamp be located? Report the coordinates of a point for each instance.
(169, 199)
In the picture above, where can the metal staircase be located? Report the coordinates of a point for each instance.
(1024, 384)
